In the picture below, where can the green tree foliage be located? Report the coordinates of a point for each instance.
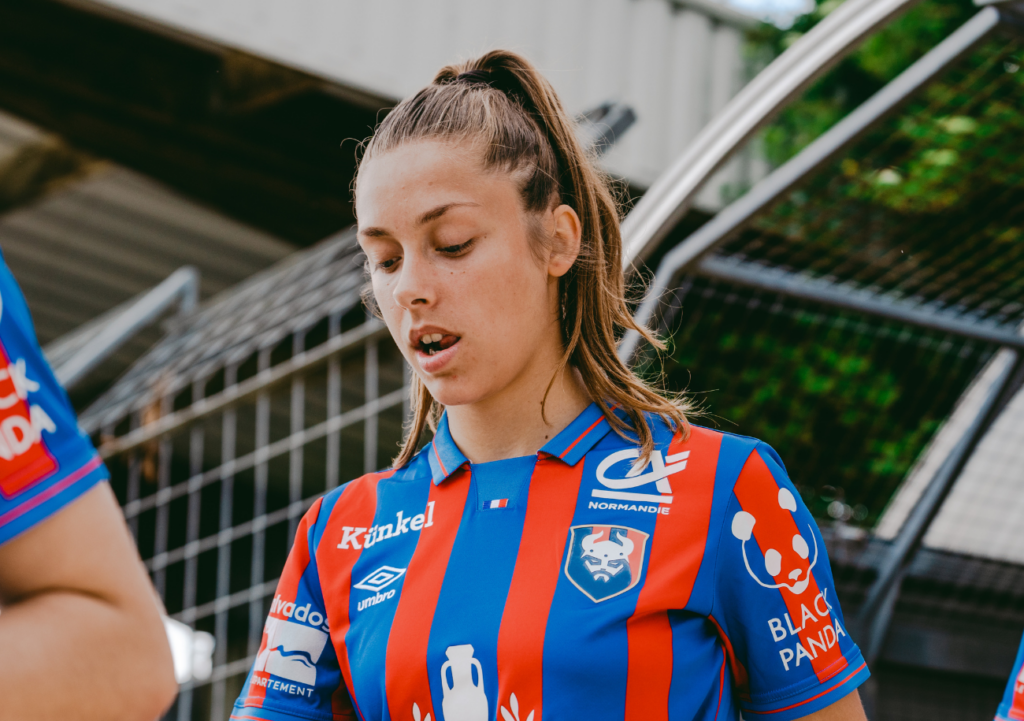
(861, 74)
(848, 404)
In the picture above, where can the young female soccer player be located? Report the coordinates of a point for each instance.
(567, 546)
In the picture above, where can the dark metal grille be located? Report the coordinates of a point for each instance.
(214, 505)
(927, 205)
(849, 402)
(222, 436)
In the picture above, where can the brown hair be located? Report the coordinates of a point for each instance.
(502, 102)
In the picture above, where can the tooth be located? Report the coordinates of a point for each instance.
(436, 338)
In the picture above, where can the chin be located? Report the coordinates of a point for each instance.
(453, 391)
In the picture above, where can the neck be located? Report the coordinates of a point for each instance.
(511, 424)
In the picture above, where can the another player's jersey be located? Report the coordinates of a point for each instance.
(692, 589)
(45, 461)
(1012, 707)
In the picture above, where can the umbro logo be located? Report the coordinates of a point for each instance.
(620, 481)
(377, 581)
(381, 578)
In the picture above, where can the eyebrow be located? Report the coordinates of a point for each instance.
(427, 217)
(441, 210)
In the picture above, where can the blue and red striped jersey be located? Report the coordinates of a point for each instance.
(45, 461)
(693, 588)
(1012, 707)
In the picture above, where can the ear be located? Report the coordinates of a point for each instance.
(565, 241)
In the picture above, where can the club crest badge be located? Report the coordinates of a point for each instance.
(605, 561)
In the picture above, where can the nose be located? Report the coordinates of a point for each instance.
(795, 573)
(414, 287)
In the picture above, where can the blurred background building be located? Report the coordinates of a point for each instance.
(837, 249)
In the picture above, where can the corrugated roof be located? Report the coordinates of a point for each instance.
(293, 295)
(88, 236)
(118, 233)
(15, 134)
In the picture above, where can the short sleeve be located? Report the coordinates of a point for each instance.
(296, 672)
(1012, 707)
(46, 462)
(775, 603)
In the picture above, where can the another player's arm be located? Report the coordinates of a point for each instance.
(80, 630)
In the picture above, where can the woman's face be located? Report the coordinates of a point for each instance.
(467, 294)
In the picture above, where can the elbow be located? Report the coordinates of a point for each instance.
(146, 686)
(155, 685)
(161, 694)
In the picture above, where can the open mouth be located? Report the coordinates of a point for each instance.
(432, 343)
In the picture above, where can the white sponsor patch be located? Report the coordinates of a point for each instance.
(292, 651)
(656, 472)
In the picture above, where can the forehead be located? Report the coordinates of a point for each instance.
(417, 176)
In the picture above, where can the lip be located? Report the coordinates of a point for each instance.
(434, 363)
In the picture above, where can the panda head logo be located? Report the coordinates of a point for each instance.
(789, 566)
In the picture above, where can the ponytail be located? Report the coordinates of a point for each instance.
(503, 101)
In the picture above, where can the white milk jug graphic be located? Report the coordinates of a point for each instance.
(463, 700)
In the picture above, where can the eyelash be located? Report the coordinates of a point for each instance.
(455, 250)
(451, 251)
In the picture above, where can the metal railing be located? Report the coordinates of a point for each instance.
(665, 203)
(75, 356)
(213, 491)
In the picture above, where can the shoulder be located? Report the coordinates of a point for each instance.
(708, 455)
(360, 494)
(733, 453)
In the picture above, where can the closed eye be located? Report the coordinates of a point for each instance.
(456, 250)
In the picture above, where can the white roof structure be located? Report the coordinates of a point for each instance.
(676, 62)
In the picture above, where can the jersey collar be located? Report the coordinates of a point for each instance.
(444, 456)
(569, 446)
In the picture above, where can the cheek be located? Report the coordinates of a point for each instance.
(389, 310)
(511, 303)
(515, 284)
(383, 293)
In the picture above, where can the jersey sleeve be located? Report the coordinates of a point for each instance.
(46, 462)
(296, 672)
(1012, 707)
(775, 603)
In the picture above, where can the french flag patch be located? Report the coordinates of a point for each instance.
(500, 503)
